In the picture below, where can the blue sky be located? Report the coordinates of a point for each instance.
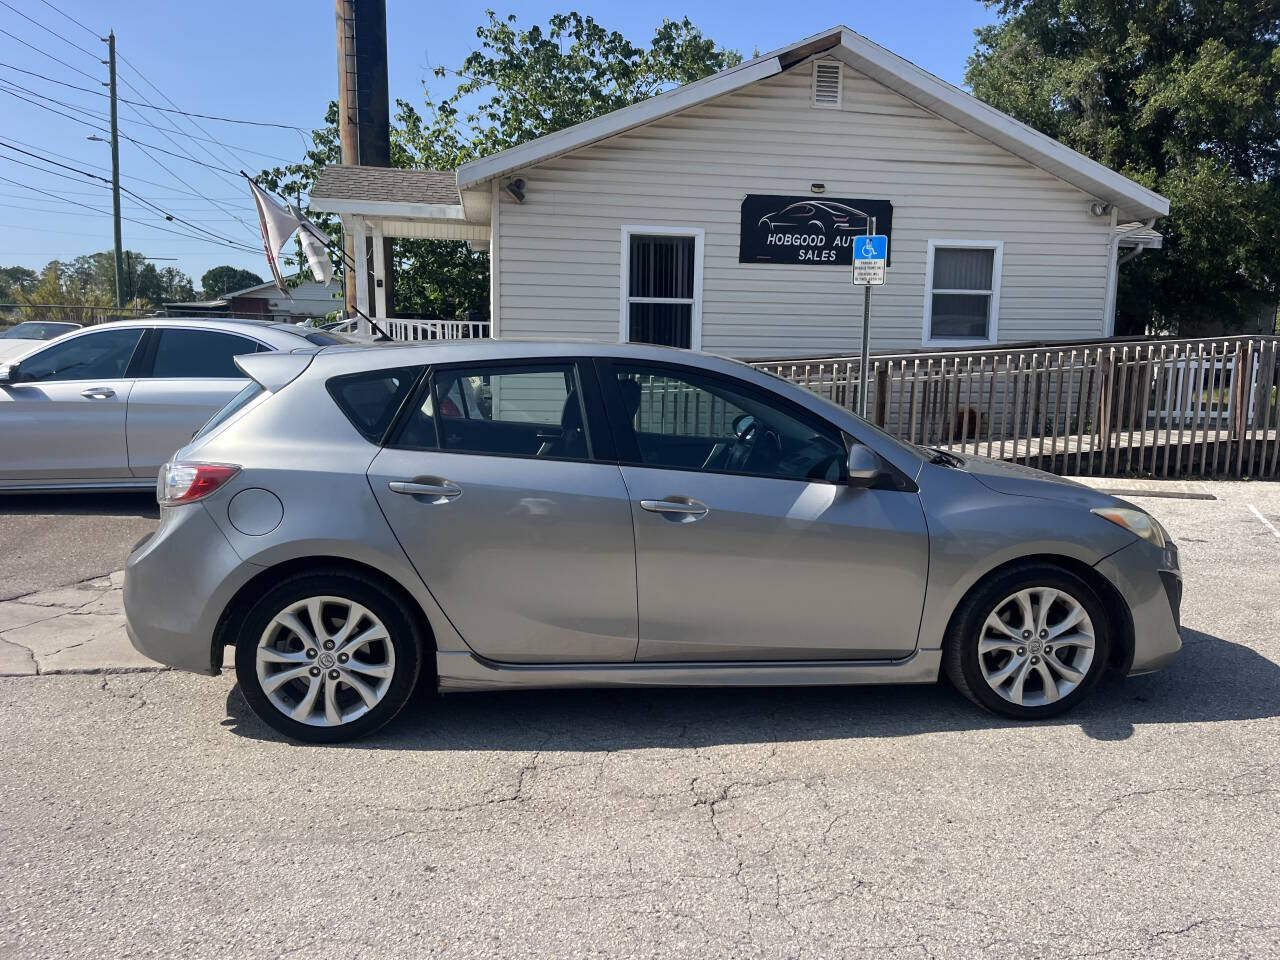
(276, 62)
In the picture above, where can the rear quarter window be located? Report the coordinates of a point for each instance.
(371, 400)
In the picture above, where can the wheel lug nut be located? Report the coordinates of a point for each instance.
(1043, 634)
(1022, 651)
(333, 674)
(315, 671)
(343, 658)
(1026, 634)
(328, 644)
(1048, 650)
(311, 653)
(1034, 661)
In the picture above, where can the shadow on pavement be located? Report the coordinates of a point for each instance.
(1213, 680)
(69, 504)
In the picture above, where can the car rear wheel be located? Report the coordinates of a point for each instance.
(324, 657)
(1028, 643)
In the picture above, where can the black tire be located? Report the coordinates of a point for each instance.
(404, 638)
(960, 655)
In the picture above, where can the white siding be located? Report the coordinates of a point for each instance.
(561, 249)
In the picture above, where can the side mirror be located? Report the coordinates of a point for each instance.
(864, 466)
(8, 372)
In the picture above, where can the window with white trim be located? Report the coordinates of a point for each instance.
(661, 288)
(962, 292)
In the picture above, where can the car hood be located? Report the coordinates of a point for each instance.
(1019, 481)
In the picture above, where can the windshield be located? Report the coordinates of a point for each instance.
(37, 330)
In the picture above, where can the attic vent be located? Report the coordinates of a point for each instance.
(826, 83)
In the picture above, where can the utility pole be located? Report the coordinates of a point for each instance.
(115, 168)
(364, 116)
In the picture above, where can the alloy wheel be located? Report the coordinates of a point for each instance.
(325, 661)
(1036, 646)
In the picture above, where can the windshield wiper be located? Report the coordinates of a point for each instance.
(943, 458)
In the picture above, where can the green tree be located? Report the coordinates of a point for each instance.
(1182, 96)
(13, 280)
(224, 279)
(521, 83)
(59, 294)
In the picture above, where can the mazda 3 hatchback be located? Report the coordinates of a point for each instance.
(514, 514)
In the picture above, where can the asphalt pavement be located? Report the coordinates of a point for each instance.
(153, 815)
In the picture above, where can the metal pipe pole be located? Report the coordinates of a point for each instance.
(864, 361)
(115, 168)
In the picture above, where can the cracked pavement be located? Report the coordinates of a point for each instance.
(150, 814)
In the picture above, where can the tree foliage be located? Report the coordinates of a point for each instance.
(1182, 96)
(59, 294)
(218, 281)
(90, 280)
(519, 84)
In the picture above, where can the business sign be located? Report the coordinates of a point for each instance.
(869, 257)
(808, 230)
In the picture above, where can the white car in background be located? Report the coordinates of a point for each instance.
(104, 407)
(22, 336)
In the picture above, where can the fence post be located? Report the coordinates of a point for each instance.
(1106, 374)
(881, 405)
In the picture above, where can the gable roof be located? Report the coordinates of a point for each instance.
(887, 68)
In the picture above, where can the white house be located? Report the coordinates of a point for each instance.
(719, 215)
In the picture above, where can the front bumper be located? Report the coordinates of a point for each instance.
(176, 585)
(1150, 582)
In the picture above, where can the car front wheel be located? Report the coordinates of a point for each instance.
(1028, 643)
(324, 657)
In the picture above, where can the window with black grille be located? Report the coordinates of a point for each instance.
(660, 290)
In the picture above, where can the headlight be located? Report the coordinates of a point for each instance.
(1136, 522)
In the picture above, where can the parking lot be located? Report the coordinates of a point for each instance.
(150, 814)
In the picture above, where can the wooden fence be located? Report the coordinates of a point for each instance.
(1164, 408)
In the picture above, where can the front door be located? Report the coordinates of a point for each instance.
(750, 545)
(189, 376)
(493, 489)
(63, 415)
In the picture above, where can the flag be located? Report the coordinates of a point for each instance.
(313, 241)
(277, 223)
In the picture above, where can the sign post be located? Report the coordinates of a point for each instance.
(870, 254)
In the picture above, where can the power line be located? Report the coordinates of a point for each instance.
(46, 53)
(97, 116)
(139, 103)
(47, 30)
(104, 180)
(92, 33)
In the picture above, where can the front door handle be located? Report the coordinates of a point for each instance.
(677, 508)
(98, 393)
(437, 488)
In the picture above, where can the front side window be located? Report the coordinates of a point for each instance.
(102, 355)
(683, 419)
(529, 410)
(661, 290)
(204, 354)
(963, 293)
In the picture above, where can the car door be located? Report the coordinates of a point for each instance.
(496, 489)
(62, 415)
(188, 375)
(750, 543)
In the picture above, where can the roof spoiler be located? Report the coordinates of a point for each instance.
(276, 369)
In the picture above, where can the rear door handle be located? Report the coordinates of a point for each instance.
(98, 393)
(414, 488)
(677, 507)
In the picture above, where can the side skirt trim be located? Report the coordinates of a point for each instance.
(461, 671)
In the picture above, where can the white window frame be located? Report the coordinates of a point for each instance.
(813, 97)
(993, 317)
(624, 277)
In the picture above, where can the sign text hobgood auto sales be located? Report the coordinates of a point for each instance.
(807, 230)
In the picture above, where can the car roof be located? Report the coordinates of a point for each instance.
(273, 333)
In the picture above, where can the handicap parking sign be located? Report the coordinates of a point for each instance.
(869, 256)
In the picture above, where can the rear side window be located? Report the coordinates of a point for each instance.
(234, 406)
(204, 354)
(371, 400)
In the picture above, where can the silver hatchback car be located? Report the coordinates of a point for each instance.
(507, 514)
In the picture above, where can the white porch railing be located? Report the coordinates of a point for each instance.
(414, 330)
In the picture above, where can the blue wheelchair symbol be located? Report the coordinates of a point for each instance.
(870, 248)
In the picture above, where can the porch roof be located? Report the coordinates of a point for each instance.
(403, 203)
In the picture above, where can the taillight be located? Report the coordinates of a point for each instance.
(185, 482)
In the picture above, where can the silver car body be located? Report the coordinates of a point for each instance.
(114, 432)
(551, 574)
